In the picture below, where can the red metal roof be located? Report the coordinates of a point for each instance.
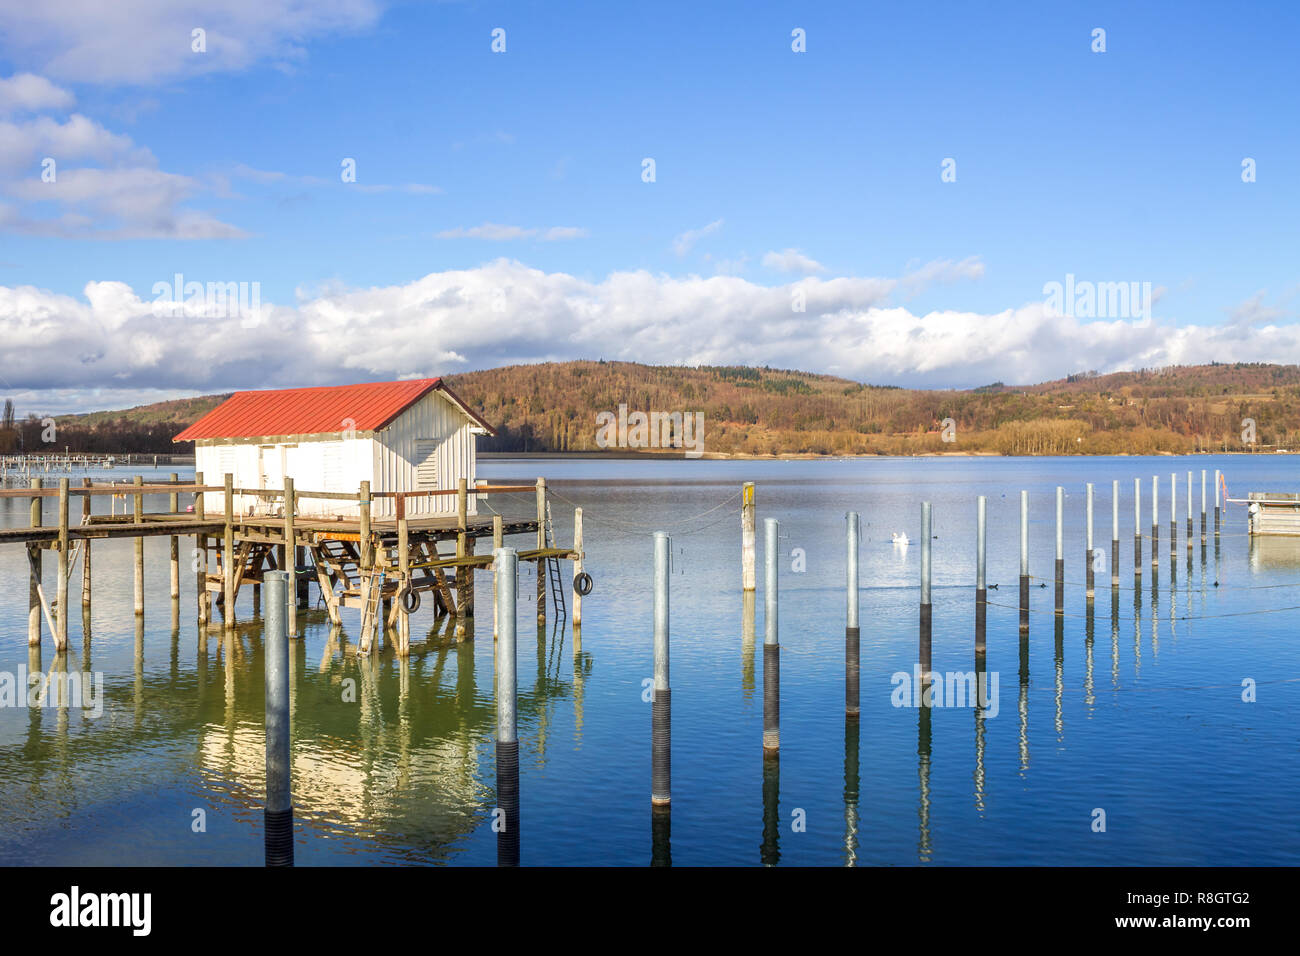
(314, 411)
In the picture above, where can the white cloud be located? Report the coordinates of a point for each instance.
(686, 241)
(792, 260)
(143, 41)
(109, 338)
(496, 232)
(28, 93)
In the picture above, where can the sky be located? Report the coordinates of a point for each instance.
(367, 190)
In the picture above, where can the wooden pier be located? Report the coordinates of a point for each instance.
(382, 567)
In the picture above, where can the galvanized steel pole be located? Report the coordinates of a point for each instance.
(275, 648)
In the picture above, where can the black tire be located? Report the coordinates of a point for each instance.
(582, 583)
(410, 600)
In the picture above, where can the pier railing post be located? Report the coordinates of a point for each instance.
(505, 562)
(279, 799)
(852, 634)
(61, 619)
(981, 583)
(661, 700)
(923, 649)
(747, 534)
(771, 645)
(1060, 550)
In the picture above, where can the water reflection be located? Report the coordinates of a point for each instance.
(852, 732)
(770, 850)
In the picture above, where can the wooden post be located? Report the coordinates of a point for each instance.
(291, 549)
(34, 557)
(138, 512)
(404, 565)
(61, 619)
(85, 547)
(541, 543)
(747, 525)
(201, 546)
(577, 564)
(228, 556)
(174, 502)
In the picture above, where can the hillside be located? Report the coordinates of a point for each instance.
(552, 407)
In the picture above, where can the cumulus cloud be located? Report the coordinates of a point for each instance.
(143, 41)
(792, 260)
(503, 312)
(28, 93)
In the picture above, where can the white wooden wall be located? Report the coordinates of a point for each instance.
(389, 461)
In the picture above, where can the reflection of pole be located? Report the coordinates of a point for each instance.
(851, 789)
(923, 652)
(981, 592)
(852, 665)
(771, 648)
(279, 805)
(661, 707)
(770, 852)
(506, 564)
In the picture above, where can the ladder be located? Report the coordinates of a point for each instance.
(553, 568)
(370, 611)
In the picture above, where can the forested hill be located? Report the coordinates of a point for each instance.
(761, 411)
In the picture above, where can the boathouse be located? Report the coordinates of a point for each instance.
(414, 435)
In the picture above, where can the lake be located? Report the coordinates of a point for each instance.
(1135, 709)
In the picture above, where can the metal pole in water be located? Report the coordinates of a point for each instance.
(1217, 482)
(981, 584)
(1202, 507)
(1060, 550)
(661, 707)
(1155, 524)
(1114, 533)
(1024, 562)
(1189, 511)
(1173, 518)
(1137, 528)
(924, 649)
(852, 664)
(747, 577)
(505, 561)
(771, 649)
(275, 649)
(61, 586)
(1088, 538)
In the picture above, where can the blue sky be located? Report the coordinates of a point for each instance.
(773, 169)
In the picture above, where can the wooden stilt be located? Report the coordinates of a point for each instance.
(85, 547)
(228, 556)
(138, 506)
(34, 586)
(541, 543)
(61, 621)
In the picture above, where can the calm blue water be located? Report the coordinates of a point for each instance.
(1136, 710)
